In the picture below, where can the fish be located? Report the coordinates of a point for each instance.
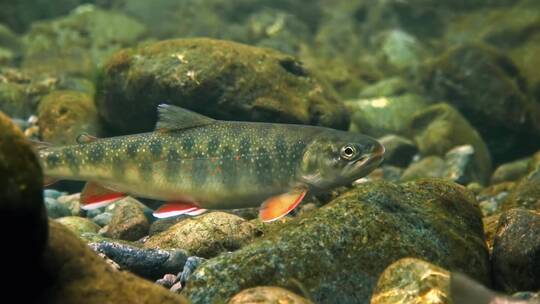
(195, 163)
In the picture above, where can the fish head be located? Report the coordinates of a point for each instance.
(338, 158)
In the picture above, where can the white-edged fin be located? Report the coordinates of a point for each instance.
(175, 209)
(96, 196)
(176, 118)
(278, 206)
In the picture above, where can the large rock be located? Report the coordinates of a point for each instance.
(221, 79)
(516, 251)
(64, 115)
(23, 220)
(78, 43)
(511, 171)
(206, 235)
(440, 127)
(78, 275)
(488, 89)
(338, 251)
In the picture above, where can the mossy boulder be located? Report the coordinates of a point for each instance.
(79, 225)
(128, 221)
(440, 127)
(409, 281)
(338, 251)
(13, 100)
(516, 251)
(430, 166)
(221, 79)
(206, 235)
(64, 115)
(78, 275)
(487, 87)
(78, 43)
(22, 213)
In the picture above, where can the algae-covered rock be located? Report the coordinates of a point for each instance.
(430, 166)
(525, 195)
(488, 89)
(79, 225)
(400, 51)
(128, 221)
(10, 46)
(399, 151)
(13, 100)
(440, 127)
(267, 294)
(511, 171)
(383, 115)
(64, 115)
(221, 79)
(206, 235)
(78, 43)
(22, 213)
(410, 281)
(516, 251)
(78, 275)
(338, 251)
(20, 14)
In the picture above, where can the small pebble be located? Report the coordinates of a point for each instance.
(189, 267)
(102, 219)
(167, 281)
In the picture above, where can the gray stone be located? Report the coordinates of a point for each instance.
(56, 209)
(148, 263)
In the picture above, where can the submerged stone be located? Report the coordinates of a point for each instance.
(77, 275)
(399, 151)
(248, 83)
(128, 221)
(78, 43)
(79, 225)
(64, 115)
(148, 263)
(409, 281)
(511, 171)
(206, 235)
(338, 251)
(267, 294)
(440, 127)
(23, 217)
(488, 89)
(516, 251)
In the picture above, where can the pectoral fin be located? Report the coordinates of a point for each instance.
(95, 196)
(278, 206)
(177, 208)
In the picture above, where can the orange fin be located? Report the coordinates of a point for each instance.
(85, 138)
(95, 196)
(278, 206)
(177, 208)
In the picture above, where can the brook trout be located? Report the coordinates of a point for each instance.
(195, 163)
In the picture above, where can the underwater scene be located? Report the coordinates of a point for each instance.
(270, 151)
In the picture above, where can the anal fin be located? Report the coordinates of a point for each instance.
(278, 206)
(171, 209)
(96, 196)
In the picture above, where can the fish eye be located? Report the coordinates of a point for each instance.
(348, 152)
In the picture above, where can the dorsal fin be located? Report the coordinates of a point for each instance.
(176, 118)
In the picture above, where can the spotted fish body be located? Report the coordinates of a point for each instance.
(191, 158)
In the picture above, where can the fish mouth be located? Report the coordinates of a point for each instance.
(370, 161)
